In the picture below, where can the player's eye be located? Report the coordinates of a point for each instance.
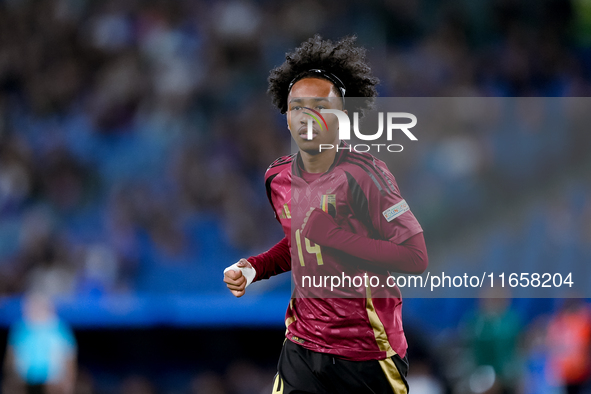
(296, 108)
(320, 106)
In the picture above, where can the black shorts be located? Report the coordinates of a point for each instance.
(302, 371)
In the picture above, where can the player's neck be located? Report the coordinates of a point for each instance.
(318, 163)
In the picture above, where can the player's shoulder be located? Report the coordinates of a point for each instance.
(369, 171)
(367, 158)
(281, 164)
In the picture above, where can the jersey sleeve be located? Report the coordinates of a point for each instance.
(274, 169)
(274, 261)
(407, 257)
(277, 259)
(376, 196)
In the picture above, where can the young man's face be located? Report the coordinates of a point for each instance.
(317, 94)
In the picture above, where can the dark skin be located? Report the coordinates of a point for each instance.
(315, 93)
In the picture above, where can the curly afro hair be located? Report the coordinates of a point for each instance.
(341, 58)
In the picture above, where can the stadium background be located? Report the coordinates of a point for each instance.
(133, 140)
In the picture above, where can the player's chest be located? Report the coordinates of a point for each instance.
(329, 193)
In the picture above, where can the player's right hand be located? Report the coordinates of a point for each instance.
(235, 280)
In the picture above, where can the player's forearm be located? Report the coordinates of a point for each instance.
(272, 262)
(409, 257)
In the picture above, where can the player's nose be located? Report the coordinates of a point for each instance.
(305, 119)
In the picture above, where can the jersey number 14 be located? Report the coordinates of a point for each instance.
(309, 248)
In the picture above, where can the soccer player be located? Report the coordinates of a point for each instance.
(343, 216)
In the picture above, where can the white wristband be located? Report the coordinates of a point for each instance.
(248, 272)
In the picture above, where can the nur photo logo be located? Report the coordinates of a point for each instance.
(345, 129)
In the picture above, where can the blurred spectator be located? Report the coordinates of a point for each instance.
(421, 380)
(41, 352)
(535, 380)
(492, 334)
(569, 346)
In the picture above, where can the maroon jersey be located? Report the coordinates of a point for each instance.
(353, 322)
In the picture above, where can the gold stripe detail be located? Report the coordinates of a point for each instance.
(393, 376)
(377, 326)
(275, 383)
(287, 212)
(278, 382)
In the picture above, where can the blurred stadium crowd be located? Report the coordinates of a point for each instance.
(134, 135)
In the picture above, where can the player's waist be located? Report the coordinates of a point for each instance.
(356, 351)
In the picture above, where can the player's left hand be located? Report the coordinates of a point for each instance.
(306, 218)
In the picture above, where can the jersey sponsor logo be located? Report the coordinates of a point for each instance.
(328, 203)
(396, 210)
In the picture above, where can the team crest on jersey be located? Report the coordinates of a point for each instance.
(328, 203)
(285, 213)
(395, 210)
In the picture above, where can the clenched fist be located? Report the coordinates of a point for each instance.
(238, 276)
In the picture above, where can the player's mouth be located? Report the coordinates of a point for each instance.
(303, 132)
